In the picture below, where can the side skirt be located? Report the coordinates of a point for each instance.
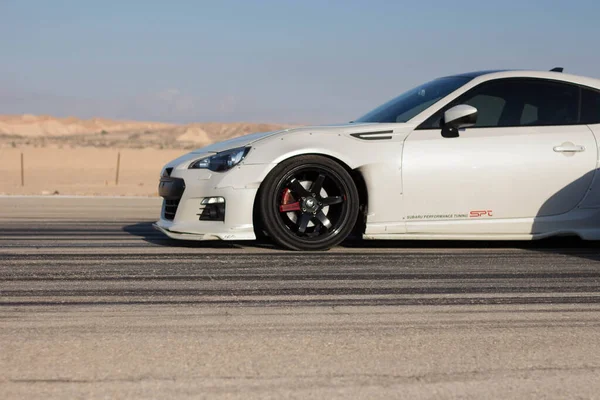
(479, 236)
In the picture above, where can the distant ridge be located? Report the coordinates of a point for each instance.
(45, 125)
(101, 132)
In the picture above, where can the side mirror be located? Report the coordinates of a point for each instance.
(458, 117)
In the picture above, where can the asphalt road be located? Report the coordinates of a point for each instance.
(96, 304)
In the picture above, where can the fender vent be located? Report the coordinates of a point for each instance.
(380, 135)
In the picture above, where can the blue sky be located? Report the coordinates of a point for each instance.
(311, 61)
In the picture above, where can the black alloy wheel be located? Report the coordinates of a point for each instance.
(308, 203)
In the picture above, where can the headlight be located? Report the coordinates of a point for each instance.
(222, 161)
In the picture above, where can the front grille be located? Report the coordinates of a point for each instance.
(171, 189)
(171, 208)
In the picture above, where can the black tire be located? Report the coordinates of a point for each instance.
(308, 203)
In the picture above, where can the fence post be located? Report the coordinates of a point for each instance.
(22, 171)
(118, 166)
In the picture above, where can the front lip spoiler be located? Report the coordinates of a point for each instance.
(204, 236)
(182, 236)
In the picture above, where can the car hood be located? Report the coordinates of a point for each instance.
(246, 140)
(239, 141)
(255, 137)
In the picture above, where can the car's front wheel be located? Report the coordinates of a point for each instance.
(308, 203)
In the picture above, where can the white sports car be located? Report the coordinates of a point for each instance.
(485, 155)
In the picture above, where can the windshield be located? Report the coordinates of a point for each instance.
(411, 103)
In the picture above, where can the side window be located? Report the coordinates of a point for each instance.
(489, 108)
(555, 104)
(590, 106)
(518, 102)
(530, 115)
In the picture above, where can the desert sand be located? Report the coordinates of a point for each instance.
(70, 156)
(82, 171)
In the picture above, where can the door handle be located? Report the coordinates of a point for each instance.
(569, 148)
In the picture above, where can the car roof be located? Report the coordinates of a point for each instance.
(475, 74)
(481, 76)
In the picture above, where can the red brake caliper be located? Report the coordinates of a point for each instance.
(288, 202)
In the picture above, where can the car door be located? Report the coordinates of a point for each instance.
(527, 157)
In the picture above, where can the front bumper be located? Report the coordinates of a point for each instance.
(184, 190)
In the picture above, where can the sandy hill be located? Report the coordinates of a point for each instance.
(211, 132)
(44, 125)
(42, 130)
